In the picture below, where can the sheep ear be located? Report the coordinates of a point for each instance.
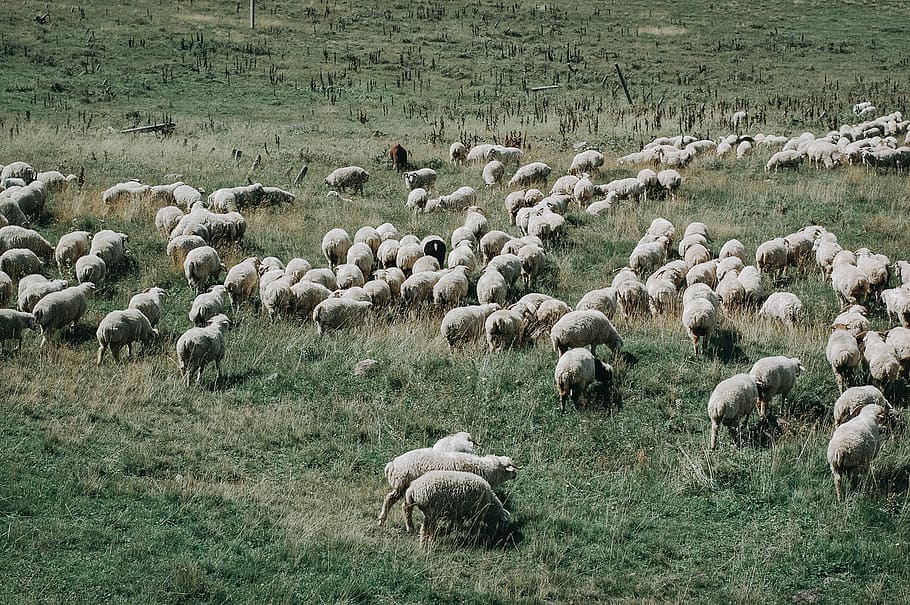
(861, 335)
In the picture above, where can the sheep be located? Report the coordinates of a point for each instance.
(457, 442)
(58, 309)
(17, 262)
(504, 328)
(202, 267)
(843, 353)
(492, 287)
(90, 268)
(18, 170)
(750, 278)
(547, 225)
(186, 196)
(460, 199)
(30, 198)
(337, 313)
(30, 296)
(12, 323)
(479, 152)
(670, 180)
(877, 269)
(774, 376)
(458, 153)
(854, 445)
(689, 241)
(697, 254)
(407, 467)
(903, 270)
(783, 306)
(700, 291)
(178, 247)
(198, 346)
(208, 304)
(564, 185)
(70, 247)
(576, 369)
(699, 317)
(850, 285)
(110, 247)
(465, 323)
(515, 201)
(14, 236)
(603, 299)
(492, 172)
(341, 179)
(361, 256)
(11, 213)
(452, 287)
(727, 265)
(785, 159)
(506, 155)
(121, 329)
(631, 295)
(148, 303)
(463, 255)
(6, 288)
(509, 265)
(121, 193)
(732, 248)
(305, 295)
(491, 244)
(897, 305)
(533, 263)
(417, 199)
(418, 288)
(588, 327)
(854, 399)
(276, 295)
(622, 189)
(242, 280)
(55, 181)
(425, 263)
(883, 364)
(771, 256)
(731, 403)
(598, 208)
(647, 257)
(424, 178)
(535, 172)
(586, 162)
(454, 496)
(702, 273)
(167, 218)
(163, 195)
(541, 317)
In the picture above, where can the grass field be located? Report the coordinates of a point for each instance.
(117, 484)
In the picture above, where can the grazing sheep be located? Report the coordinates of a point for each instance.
(453, 496)
(492, 173)
(70, 247)
(90, 268)
(6, 288)
(897, 305)
(576, 369)
(121, 329)
(699, 317)
(492, 287)
(884, 366)
(13, 236)
(341, 179)
(732, 248)
(647, 257)
(533, 263)
(361, 256)
(242, 280)
(149, 304)
(670, 180)
(59, 309)
(110, 247)
(527, 175)
(30, 296)
(424, 264)
(276, 295)
(491, 244)
(853, 399)
(463, 255)
(167, 218)
(781, 160)
(18, 170)
(783, 306)
(603, 299)
(179, 247)
(460, 199)
(843, 353)
(691, 240)
(586, 162)
(700, 291)
(305, 295)
(854, 445)
(457, 442)
(335, 245)
(702, 273)
(465, 323)
(731, 292)
(424, 178)
(458, 153)
(854, 320)
(452, 287)
(208, 304)
(17, 262)
(731, 403)
(750, 278)
(202, 267)
(903, 270)
(417, 199)
(337, 313)
(12, 323)
(774, 376)
(198, 346)
(726, 265)
(417, 290)
(509, 265)
(771, 256)
(504, 328)
(899, 340)
(404, 469)
(584, 328)
(123, 193)
(850, 285)
(11, 213)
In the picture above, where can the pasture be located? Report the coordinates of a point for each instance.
(118, 484)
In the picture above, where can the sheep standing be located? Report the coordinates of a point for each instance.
(58, 309)
(774, 376)
(492, 173)
(90, 268)
(202, 267)
(527, 175)
(198, 346)
(353, 177)
(6, 288)
(576, 369)
(853, 399)
(465, 323)
(207, 305)
(242, 280)
(884, 366)
(771, 257)
(504, 328)
(782, 306)
(70, 247)
(12, 323)
(584, 328)
(842, 352)
(731, 403)
(854, 445)
(149, 304)
(17, 262)
(110, 247)
(13, 236)
(30, 296)
(336, 313)
(454, 496)
(699, 317)
(121, 329)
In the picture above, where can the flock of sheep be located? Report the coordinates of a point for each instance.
(473, 277)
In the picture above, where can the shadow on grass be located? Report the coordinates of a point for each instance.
(229, 381)
(893, 479)
(78, 335)
(726, 346)
(763, 434)
(503, 536)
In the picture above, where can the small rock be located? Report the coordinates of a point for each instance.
(362, 368)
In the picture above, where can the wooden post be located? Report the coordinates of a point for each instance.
(252, 14)
(622, 81)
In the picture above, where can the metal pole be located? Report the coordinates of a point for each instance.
(622, 81)
(252, 14)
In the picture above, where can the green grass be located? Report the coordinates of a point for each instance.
(119, 485)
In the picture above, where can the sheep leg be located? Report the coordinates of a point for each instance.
(714, 427)
(101, 349)
(129, 351)
(695, 344)
(391, 498)
(408, 518)
(115, 351)
(838, 484)
(562, 401)
(428, 529)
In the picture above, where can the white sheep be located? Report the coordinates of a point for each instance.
(576, 369)
(202, 267)
(465, 323)
(423, 178)
(337, 313)
(702, 273)
(775, 376)
(506, 155)
(533, 263)
(781, 160)
(463, 255)
(699, 317)
(700, 291)
(492, 287)
(12, 323)
(897, 305)
(732, 248)
(452, 287)
(30, 296)
(903, 270)
(110, 247)
(198, 346)
(11, 213)
(670, 180)
(209, 304)
(647, 257)
(782, 306)
(504, 328)
(121, 329)
(731, 403)
(726, 265)
(564, 185)
(242, 280)
(491, 244)
(850, 285)
(17, 262)
(602, 299)
(455, 497)
(771, 256)
(167, 218)
(90, 268)
(586, 162)
(460, 199)
(883, 364)
(6, 288)
(843, 353)
(417, 199)
(149, 304)
(70, 247)
(14, 236)
(458, 153)
(126, 192)
(305, 295)
(407, 467)
(425, 263)
(492, 172)
(854, 445)
(509, 265)
(527, 175)
(59, 309)
(588, 327)
(18, 170)
(899, 341)
(853, 399)
(178, 247)
(341, 179)
(750, 278)
(276, 295)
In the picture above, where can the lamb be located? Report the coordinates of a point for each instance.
(58, 309)
(149, 304)
(341, 179)
(336, 313)
(13, 236)
(198, 346)
(460, 199)
(465, 323)
(492, 287)
(12, 323)
(699, 317)
(110, 247)
(90, 268)
(458, 153)
(207, 305)
(771, 256)
(504, 328)
(783, 306)
(774, 376)
(586, 162)
(525, 176)
(70, 247)
(121, 329)
(180, 246)
(854, 399)
(854, 445)
(454, 496)
(842, 352)
(29, 297)
(17, 262)
(452, 287)
(731, 403)
(603, 299)
(404, 469)
(576, 369)
(167, 218)
(492, 172)
(584, 328)
(884, 366)
(202, 268)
